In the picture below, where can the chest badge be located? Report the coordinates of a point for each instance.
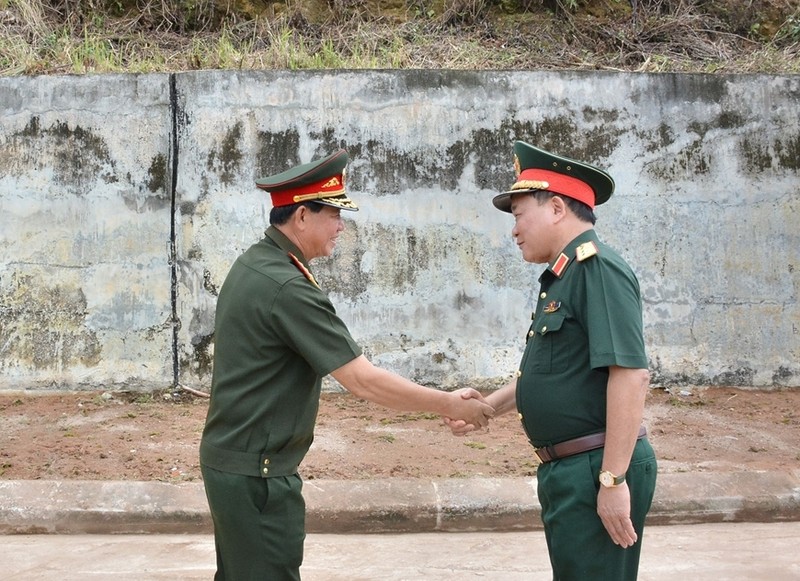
(552, 307)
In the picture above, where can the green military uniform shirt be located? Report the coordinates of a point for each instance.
(277, 334)
(587, 318)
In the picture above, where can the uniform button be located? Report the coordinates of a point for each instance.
(530, 333)
(519, 416)
(266, 461)
(265, 470)
(543, 296)
(519, 373)
(544, 329)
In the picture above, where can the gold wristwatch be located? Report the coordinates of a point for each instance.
(608, 480)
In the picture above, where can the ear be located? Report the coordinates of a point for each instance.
(559, 208)
(300, 217)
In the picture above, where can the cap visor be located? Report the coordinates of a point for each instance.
(503, 201)
(341, 202)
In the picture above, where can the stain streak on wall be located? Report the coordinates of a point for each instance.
(124, 199)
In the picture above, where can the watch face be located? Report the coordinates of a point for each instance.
(606, 479)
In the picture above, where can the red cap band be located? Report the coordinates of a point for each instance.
(327, 188)
(558, 183)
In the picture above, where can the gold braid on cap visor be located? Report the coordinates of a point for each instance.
(530, 185)
(317, 196)
(341, 202)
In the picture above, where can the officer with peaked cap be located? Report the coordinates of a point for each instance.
(581, 385)
(276, 335)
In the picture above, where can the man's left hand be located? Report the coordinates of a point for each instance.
(614, 508)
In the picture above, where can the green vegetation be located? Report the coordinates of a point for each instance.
(98, 36)
(410, 417)
(680, 403)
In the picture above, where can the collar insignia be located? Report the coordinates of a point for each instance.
(560, 265)
(302, 268)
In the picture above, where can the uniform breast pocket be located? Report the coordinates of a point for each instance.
(547, 357)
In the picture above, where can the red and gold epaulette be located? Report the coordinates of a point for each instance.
(302, 268)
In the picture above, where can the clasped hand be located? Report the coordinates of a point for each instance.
(476, 412)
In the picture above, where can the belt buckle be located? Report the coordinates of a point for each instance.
(545, 453)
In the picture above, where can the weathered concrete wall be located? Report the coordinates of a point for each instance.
(84, 226)
(99, 176)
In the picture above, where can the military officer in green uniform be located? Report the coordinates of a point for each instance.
(581, 385)
(276, 335)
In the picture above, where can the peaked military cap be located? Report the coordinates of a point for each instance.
(320, 181)
(538, 169)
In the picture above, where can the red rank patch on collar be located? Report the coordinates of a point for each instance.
(560, 265)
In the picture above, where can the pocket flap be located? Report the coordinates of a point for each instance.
(550, 323)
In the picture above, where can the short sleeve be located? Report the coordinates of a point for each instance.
(306, 320)
(613, 316)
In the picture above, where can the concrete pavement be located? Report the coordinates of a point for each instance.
(701, 552)
(725, 527)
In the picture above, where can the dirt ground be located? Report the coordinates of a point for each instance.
(130, 436)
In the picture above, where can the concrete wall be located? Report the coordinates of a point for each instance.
(124, 200)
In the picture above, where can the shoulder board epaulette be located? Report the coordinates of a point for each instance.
(302, 268)
(586, 250)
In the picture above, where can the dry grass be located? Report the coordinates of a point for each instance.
(41, 37)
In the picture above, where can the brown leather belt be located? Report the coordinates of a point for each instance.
(576, 446)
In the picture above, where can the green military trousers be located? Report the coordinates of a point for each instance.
(580, 547)
(259, 525)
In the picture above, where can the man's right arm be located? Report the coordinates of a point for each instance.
(365, 380)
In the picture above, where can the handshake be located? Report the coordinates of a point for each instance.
(469, 411)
